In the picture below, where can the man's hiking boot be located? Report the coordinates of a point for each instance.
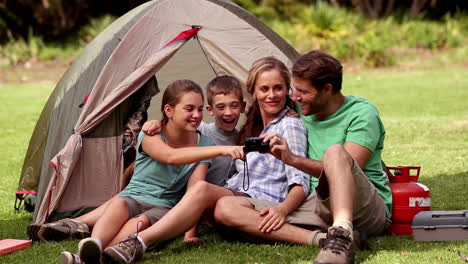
(128, 251)
(337, 248)
(360, 241)
(59, 230)
(70, 258)
(89, 250)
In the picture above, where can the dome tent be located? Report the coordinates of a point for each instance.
(75, 157)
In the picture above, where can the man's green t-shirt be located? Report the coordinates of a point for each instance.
(358, 121)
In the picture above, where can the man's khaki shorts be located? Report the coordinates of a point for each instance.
(314, 213)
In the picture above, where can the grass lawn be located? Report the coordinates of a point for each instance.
(425, 113)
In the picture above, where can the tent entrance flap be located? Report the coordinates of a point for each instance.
(190, 63)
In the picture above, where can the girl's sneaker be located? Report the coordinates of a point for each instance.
(90, 250)
(70, 258)
(128, 251)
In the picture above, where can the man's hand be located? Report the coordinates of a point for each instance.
(293, 113)
(279, 147)
(152, 127)
(273, 219)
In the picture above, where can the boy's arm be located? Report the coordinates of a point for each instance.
(157, 149)
(152, 127)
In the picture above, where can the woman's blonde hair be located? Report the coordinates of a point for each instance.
(254, 123)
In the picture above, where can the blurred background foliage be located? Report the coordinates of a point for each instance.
(373, 32)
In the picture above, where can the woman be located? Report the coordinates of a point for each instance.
(268, 83)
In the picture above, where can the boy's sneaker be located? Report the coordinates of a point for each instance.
(337, 248)
(70, 258)
(59, 230)
(89, 250)
(128, 251)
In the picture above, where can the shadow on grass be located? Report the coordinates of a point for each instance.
(16, 227)
(448, 191)
(406, 249)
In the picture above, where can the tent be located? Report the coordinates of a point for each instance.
(77, 153)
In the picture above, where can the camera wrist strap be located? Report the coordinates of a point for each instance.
(246, 173)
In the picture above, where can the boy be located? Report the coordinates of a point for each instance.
(225, 103)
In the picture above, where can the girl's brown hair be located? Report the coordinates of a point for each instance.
(254, 123)
(174, 92)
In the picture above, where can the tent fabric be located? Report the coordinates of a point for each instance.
(136, 48)
(58, 117)
(101, 101)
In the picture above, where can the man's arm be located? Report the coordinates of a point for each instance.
(359, 153)
(280, 149)
(309, 166)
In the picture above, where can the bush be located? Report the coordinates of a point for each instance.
(350, 36)
(96, 26)
(19, 50)
(16, 51)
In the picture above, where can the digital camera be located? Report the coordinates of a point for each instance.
(256, 144)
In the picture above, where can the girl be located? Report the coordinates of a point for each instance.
(166, 165)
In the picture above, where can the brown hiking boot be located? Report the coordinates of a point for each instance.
(360, 241)
(337, 248)
(128, 251)
(59, 230)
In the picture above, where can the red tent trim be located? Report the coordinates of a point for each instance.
(184, 35)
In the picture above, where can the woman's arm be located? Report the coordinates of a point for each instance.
(275, 217)
(298, 181)
(157, 149)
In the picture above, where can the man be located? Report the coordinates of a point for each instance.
(345, 137)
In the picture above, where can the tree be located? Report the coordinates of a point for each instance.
(55, 18)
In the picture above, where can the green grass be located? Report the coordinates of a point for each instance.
(426, 117)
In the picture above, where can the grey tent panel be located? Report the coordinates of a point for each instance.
(177, 68)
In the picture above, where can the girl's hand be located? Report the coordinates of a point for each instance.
(274, 218)
(152, 127)
(235, 152)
